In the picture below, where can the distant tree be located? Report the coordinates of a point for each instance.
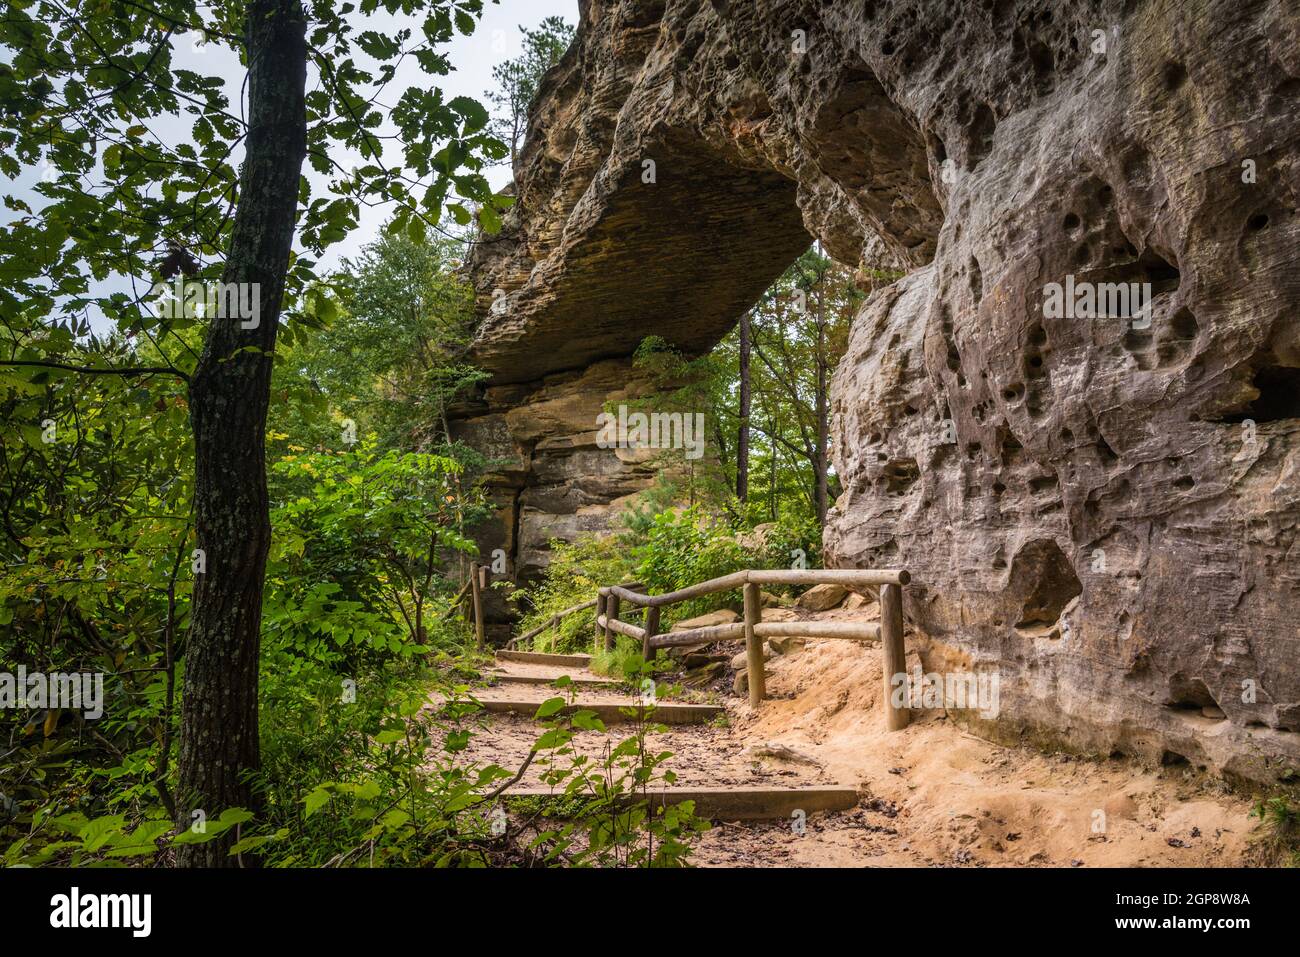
(746, 404)
(391, 361)
(799, 332)
(518, 79)
(766, 387)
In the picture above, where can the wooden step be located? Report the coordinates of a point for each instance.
(735, 803)
(541, 658)
(612, 712)
(502, 677)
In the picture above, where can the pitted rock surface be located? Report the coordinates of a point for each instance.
(1102, 510)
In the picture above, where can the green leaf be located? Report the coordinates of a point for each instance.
(549, 707)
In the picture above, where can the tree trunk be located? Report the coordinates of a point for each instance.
(742, 439)
(771, 430)
(229, 394)
(820, 465)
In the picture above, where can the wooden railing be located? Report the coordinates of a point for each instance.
(559, 616)
(472, 591)
(753, 629)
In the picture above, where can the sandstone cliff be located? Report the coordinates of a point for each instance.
(1103, 509)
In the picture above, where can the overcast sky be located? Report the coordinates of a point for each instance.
(472, 58)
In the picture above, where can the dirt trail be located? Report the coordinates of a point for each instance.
(952, 799)
(931, 795)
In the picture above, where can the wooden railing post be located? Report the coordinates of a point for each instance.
(754, 645)
(601, 603)
(476, 589)
(893, 656)
(611, 614)
(651, 629)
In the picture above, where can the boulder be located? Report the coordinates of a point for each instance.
(869, 607)
(786, 645)
(781, 614)
(822, 597)
(723, 616)
(698, 659)
(740, 661)
(703, 675)
(740, 682)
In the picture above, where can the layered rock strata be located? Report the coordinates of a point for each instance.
(1098, 500)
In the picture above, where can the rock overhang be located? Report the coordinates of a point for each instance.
(1139, 483)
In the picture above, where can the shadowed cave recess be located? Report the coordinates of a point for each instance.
(1114, 529)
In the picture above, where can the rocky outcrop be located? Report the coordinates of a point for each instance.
(547, 476)
(1099, 504)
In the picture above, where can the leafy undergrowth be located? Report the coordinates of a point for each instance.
(1277, 842)
(365, 774)
(622, 662)
(600, 813)
(663, 550)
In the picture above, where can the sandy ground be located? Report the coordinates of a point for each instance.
(702, 755)
(931, 795)
(935, 795)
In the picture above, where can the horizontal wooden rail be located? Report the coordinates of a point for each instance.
(620, 627)
(854, 631)
(753, 629)
(554, 620)
(850, 578)
(828, 576)
(696, 636)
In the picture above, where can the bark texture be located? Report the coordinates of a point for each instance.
(229, 394)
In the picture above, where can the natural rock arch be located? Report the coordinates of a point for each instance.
(989, 150)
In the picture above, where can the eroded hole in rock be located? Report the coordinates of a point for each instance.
(1044, 483)
(1183, 325)
(1190, 694)
(1279, 396)
(1105, 453)
(1043, 582)
(1043, 63)
(1155, 269)
(901, 475)
(982, 128)
(1010, 447)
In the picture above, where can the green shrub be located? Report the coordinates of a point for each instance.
(1278, 842)
(575, 573)
(682, 548)
(623, 661)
